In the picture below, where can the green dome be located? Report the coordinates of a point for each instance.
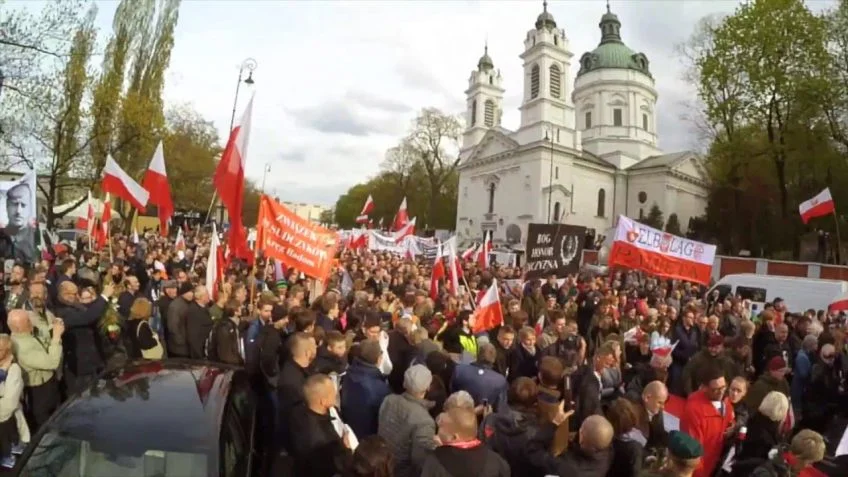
(485, 63)
(612, 52)
(545, 19)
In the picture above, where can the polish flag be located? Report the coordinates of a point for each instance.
(366, 211)
(156, 182)
(454, 267)
(437, 274)
(407, 230)
(820, 205)
(483, 253)
(105, 217)
(839, 304)
(213, 266)
(402, 217)
(229, 182)
(118, 182)
(489, 313)
(180, 243)
(470, 252)
(87, 223)
(540, 325)
(673, 412)
(134, 236)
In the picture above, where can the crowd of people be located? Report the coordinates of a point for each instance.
(368, 375)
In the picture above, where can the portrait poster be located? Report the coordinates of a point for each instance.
(19, 215)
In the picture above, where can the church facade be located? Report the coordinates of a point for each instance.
(586, 149)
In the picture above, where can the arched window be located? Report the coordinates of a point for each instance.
(492, 198)
(474, 113)
(556, 211)
(556, 81)
(534, 81)
(489, 113)
(602, 202)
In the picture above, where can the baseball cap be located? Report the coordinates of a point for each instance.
(776, 364)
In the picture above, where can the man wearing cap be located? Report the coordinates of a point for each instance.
(684, 455)
(773, 379)
(404, 422)
(713, 354)
(175, 327)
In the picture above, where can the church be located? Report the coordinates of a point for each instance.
(581, 155)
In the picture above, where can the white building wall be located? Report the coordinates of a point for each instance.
(587, 182)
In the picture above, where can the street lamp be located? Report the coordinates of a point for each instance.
(248, 64)
(265, 175)
(550, 137)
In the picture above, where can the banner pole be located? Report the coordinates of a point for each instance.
(838, 239)
(256, 245)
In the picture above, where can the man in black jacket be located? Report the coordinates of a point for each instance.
(83, 359)
(198, 323)
(175, 326)
(460, 453)
(588, 395)
(225, 344)
(316, 447)
(291, 379)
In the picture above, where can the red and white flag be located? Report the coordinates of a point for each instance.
(366, 211)
(820, 205)
(839, 304)
(470, 252)
(87, 223)
(214, 266)
(156, 183)
(436, 275)
(405, 231)
(402, 217)
(540, 325)
(489, 313)
(135, 236)
(483, 253)
(180, 243)
(102, 235)
(454, 266)
(229, 182)
(119, 183)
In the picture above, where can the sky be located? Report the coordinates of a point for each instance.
(339, 82)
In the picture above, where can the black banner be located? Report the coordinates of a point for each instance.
(554, 248)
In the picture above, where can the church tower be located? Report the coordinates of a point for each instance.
(547, 104)
(484, 98)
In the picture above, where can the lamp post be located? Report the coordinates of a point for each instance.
(265, 175)
(549, 137)
(249, 65)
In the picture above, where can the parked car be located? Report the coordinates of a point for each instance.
(170, 418)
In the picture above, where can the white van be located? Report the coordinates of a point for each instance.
(799, 294)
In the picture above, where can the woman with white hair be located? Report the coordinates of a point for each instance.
(763, 434)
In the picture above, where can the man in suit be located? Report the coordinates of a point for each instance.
(589, 394)
(651, 423)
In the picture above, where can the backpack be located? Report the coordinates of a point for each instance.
(211, 345)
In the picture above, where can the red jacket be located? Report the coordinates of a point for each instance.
(706, 424)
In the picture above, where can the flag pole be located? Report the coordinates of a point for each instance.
(838, 239)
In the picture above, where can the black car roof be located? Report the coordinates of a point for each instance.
(171, 405)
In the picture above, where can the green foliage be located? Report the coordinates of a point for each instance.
(191, 147)
(422, 168)
(773, 113)
(654, 218)
(672, 226)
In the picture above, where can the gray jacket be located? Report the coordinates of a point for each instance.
(176, 336)
(406, 425)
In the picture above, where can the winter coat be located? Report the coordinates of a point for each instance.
(477, 461)
(80, 343)
(482, 382)
(316, 447)
(363, 390)
(508, 433)
(627, 458)
(198, 325)
(175, 327)
(766, 384)
(408, 429)
(763, 435)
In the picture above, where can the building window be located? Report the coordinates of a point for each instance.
(491, 79)
(556, 172)
(474, 113)
(558, 135)
(556, 40)
(556, 211)
(588, 119)
(492, 198)
(645, 122)
(643, 197)
(602, 202)
(556, 81)
(616, 117)
(489, 113)
(534, 81)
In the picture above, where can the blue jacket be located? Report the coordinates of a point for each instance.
(362, 392)
(688, 343)
(482, 383)
(800, 376)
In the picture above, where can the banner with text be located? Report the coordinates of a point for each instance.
(653, 251)
(554, 248)
(295, 241)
